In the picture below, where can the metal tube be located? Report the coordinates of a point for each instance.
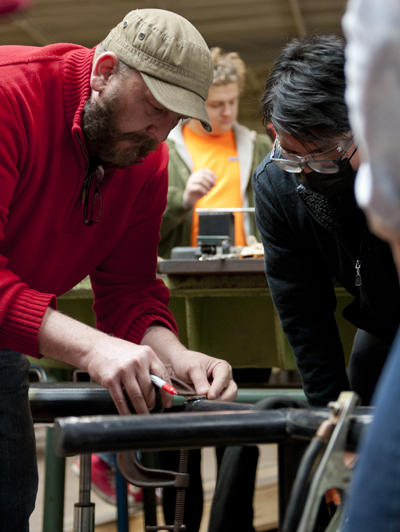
(193, 430)
(122, 502)
(51, 400)
(167, 431)
(84, 518)
(53, 502)
(84, 509)
(85, 478)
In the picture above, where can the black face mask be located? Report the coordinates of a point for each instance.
(329, 184)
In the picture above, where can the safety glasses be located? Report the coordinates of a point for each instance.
(319, 162)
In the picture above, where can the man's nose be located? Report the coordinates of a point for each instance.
(161, 126)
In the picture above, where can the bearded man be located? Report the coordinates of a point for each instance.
(83, 188)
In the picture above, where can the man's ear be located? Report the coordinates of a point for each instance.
(102, 69)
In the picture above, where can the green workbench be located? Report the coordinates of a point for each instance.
(224, 308)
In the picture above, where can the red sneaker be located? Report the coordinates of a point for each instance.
(135, 493)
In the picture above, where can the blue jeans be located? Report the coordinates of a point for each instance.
(18, 464)
(374, 501)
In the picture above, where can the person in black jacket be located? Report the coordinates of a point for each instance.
(313, 230)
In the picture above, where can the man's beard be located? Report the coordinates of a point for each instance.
(102, 135)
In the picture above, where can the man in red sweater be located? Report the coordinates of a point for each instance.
(83, 185)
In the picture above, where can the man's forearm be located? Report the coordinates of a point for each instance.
(164, 343)
(118, 365)
(67, 340)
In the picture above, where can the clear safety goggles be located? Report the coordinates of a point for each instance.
(319, 162)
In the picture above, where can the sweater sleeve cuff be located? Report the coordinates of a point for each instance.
(22, 321)
(136, 331)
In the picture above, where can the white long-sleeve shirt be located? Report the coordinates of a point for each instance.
(372, 30)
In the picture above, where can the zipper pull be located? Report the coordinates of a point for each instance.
(358, 281)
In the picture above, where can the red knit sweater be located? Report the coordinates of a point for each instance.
(45, 248)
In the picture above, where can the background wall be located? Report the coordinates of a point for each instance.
(257, 29)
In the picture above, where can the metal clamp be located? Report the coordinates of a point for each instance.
(332, 471)
(133, 471)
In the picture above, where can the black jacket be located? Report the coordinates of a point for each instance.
(309, 239)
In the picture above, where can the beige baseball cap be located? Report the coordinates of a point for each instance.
(172, 57)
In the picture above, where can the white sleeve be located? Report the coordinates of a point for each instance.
(372, 30)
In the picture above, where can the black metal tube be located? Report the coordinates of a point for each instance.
(205, 405)
(167, 431)
(192, 430)
(84, 479)
(303, 423)
(59, 399)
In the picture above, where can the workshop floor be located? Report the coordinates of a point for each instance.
(265, 503)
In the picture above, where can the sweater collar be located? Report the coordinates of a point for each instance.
(77, 70)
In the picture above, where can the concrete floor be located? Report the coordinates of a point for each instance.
(265, 503)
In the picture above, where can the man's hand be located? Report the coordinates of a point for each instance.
(118, 365)
(125, 368)
(198, 185)
(209, 376)
(121, 366)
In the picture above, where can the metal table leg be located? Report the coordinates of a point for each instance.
(122, 501)
(53, 504)
(84, 509)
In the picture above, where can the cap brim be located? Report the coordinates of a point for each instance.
(178, 100)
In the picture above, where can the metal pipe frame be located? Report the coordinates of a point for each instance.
(193, 429)
(290, 428)
(190, 424)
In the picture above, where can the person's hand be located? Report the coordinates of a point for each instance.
(350, 459)
(120, 366)
(124, 368)
(198, 185)
(209, 376)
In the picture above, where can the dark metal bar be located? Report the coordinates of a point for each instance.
(51, 400)
(84, 478)
(205, 405)
(167, 431)
(84, 509)
(192, 430)
(303, 423)
(122, 501)
(61, 399)
(54, 482)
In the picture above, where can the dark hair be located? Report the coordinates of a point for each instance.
(304, 94)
